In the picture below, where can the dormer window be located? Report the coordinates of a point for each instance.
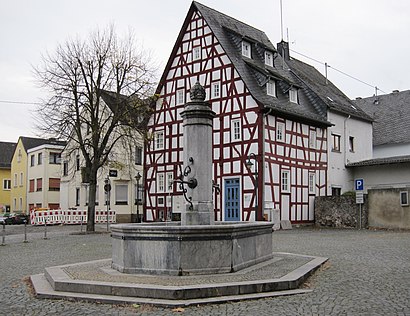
(293, 95)
(268, 58)
(271, 88)
(246, 49)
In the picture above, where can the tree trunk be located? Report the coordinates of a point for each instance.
(91, 202)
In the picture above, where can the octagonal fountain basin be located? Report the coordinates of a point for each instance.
(169, 248)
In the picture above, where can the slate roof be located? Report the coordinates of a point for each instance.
(6, 154)
(380, 161)
(31, 142)
(391, 114)
(287, 73)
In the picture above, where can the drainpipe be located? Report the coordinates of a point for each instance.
(345, 140)
(262, 169)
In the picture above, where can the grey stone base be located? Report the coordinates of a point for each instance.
(190, 250)
(96, 281)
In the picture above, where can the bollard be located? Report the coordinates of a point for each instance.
(45, 228)
(81, 224)
(25, 231)
(3, 238)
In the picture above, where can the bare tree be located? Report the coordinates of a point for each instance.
(77, 76)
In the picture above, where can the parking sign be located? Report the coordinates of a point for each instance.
(359, 184)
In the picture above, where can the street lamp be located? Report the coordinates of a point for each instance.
(249, 165)
(138, 178)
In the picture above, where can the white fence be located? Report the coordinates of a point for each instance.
(68, 217)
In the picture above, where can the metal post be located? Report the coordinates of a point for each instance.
(3, 238)
(25, 231)
(137, 195)
(360, 216)
(107, 182)
(81, 223)
(45, 227)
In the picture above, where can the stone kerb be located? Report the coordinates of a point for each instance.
(192, 250)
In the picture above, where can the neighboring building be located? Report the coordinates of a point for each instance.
(272, 109)
(6, 154)
(43, 174)
(349, 137)
(391, 128)
(19, 169)
(390, 165)
(126, 159)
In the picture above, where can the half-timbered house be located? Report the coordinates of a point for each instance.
(266, 116)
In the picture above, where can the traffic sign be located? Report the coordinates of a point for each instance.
(359, 198)
(359, 184)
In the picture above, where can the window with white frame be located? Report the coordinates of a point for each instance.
(196, 53)
(138, 155)
(336, 142)
(280, 131)
(32, 160)
(159, 140)
(293, 95)
(170, 181)
(19, 156)
(312, 182)
(40, 158)
(121, 194)
(216, 90)
(404, 198)
(271, 88)
(246, 49)
(6, 184)
(180, 95)
(268, 58)
(55, 158)
(312, 139)
(15, 180)
(21, 179)
(160, 182)
(285, 181)
(236, 130)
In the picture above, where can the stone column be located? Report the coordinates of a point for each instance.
(198, 125)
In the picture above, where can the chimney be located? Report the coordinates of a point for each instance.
(395, 91)
(283, 50)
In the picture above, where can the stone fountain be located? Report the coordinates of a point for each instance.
(197, 245)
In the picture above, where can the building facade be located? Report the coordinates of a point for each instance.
(267, 113)
(43, 176)
(6, 154)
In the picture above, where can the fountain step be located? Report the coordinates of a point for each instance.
(96, 281)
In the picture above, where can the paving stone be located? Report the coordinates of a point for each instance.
(367, 273)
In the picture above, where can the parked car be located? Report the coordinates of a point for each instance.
(3, 218)
(15, 218)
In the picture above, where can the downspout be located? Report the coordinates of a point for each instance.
(262, 170)
(345, 139)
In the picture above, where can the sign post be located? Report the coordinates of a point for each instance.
(359, 186)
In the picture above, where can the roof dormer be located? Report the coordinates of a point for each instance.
(246, 49)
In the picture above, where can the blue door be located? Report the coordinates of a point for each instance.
(232, 200)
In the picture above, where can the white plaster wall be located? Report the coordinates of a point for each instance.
(346, 126)
(391, 150)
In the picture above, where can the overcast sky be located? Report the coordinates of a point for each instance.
(366, 39)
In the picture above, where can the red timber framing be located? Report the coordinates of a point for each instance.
(241, 127)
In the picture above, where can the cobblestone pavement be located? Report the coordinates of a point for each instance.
(368, 274)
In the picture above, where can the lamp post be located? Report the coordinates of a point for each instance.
(249, 165)
(138, 178)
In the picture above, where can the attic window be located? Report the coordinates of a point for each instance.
(246, 49)
(293, 95)
(271, 88)
(268, 58)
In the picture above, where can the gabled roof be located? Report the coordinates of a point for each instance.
(319, 97)
(6, 154)
(323, 93)
(125, 104)
(391, 113)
